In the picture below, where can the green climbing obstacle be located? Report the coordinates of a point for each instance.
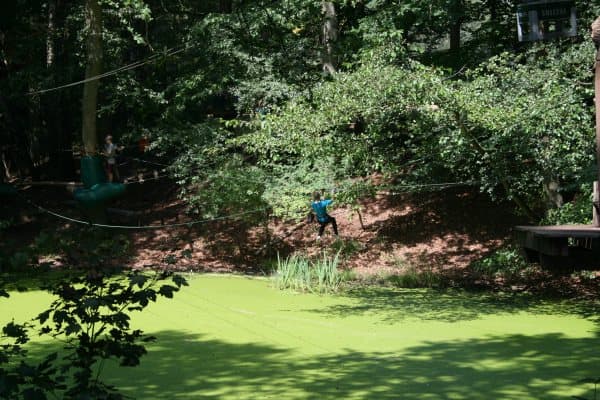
(7, 190)
(97, 192)
(92, 171)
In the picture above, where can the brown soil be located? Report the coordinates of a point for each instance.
(445, 230)
(442, 231)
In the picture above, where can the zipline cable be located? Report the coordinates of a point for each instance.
(169, 52)
(412, 187)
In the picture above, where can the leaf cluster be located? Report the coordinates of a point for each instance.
(91, 316)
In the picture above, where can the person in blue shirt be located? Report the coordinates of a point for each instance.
(320, 208)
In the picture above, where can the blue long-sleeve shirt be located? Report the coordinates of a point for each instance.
(320, 208)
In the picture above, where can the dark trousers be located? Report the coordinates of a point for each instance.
(322, 226)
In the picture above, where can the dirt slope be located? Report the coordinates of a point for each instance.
(443, 230)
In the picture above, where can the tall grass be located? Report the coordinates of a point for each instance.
(293, 273)
(325, 270)
(299, 273)
(413, 277)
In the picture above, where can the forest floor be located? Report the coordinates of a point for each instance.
(442, 232)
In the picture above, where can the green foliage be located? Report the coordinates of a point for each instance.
(241, 108)
(578, 211)
(347, 247)
(381, 102)
(290, 188)
(19, 260)
(415, 277)
(506, 262)
(517, 122)
(91, 316)
(18, 378)
(5, 223)
(245, 82)
(301, 274)
(513, 126)
(225, 189)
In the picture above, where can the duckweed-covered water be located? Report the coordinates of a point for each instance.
(228, 337)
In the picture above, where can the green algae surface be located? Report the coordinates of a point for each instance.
(229, 337)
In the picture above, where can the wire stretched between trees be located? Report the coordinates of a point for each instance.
(221, 218)
(169, 52)
(144, 227)
(443, 185)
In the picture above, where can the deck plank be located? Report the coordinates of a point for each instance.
(562, 231)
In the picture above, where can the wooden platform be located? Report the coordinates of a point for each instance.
(561, 247)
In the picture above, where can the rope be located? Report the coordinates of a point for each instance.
(144, 180)
(444, 185)
(149, 162)
(142, 227)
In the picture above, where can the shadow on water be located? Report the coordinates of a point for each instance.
(452, 305)
(32, 279)
(182, 365)
(188, 365)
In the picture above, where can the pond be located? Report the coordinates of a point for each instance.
(227, 337)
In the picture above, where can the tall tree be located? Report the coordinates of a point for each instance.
(330, 36)
(93, 21)
(50, 51)
(225, 6)
(456, 15)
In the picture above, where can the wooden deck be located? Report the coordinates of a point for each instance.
(562, 248)
(572, 231)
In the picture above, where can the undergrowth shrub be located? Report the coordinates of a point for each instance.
(297, 272)
(413, 277)
(347, 248)
(506, 262)
(578, 211)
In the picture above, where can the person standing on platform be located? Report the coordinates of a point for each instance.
(110, 152)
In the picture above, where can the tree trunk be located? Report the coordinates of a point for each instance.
(330, 35)
(50, 34)
(493, 7)
(596, 40)
(3, 60)
(53, 113)
(225, 6)
(455, 13)
(93, 19)
(597, 101)
(455, 36)
(553, 197)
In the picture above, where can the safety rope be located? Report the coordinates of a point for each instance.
(142, 227)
